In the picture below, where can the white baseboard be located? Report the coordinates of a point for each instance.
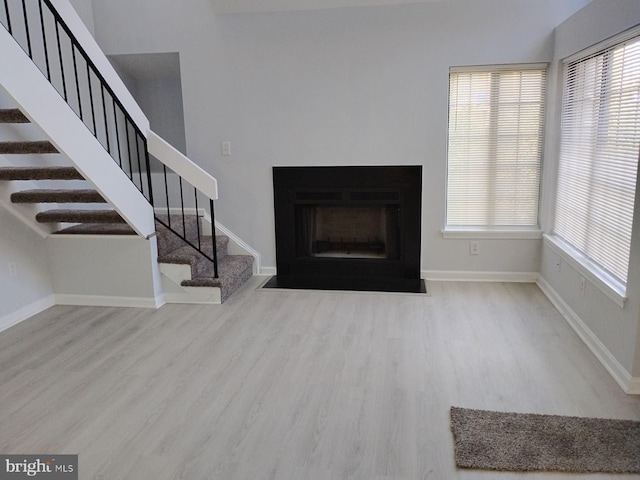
(463, 276)
(634, 386)
(109, 301)
(245, 247)
(620, 374)
(267, 271)
(26, 312)
(196, 296)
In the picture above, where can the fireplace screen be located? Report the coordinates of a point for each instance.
(342, 231)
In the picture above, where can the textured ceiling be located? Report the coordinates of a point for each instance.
(252, 6)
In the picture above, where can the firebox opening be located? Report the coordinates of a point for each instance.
(347, 231)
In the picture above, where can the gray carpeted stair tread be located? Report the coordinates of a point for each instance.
(21, 148)
(12, 115)
(169, 241)
(57, 196)
(233, 272)
(97, 229)
(188, 255)
(79, 216)
(37, 173)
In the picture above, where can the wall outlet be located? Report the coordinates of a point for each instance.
(226, 149)
(13, 269)
(474, 248)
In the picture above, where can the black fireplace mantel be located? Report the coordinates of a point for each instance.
(391, 263)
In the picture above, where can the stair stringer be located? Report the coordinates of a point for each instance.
(43, 105)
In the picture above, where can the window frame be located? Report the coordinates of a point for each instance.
(488, 230)
(611, 285)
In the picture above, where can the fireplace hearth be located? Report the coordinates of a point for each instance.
(348, 228)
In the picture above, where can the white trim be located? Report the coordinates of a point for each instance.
(26, 312)
(491, 234)
(463, 276)
(506, 67)
(257, 258)
(196, 296)
(267, 271)
(182, 165)
(109, 301)
(620, 374)
(608, 285)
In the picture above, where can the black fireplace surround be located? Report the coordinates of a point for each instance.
(348, 228)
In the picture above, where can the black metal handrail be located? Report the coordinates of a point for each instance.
(37, 26)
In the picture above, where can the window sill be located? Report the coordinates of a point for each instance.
(607, 284)
(481, 233)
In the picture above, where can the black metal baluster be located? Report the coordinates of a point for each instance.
(166, 191)
(26, 29)
(75, 72)
(139, 164)
(213, 236)
(106, 122)
(184, 223)
(44, 42)
(64, 82)
(129, 152)
(6, 9)
(195, 191)
(93, 110)
(115, 118)
(147, 160)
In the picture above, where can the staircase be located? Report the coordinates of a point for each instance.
(233, 270)
(85, 212)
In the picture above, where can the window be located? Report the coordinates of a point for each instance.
(600, 143)
(495, 145)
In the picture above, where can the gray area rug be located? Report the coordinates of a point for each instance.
(529, 442)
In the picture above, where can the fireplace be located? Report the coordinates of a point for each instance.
(348, 228)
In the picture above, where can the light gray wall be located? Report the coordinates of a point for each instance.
(33, 282)
(332, 87)
(161, 101)
(617, 328)
(84, 8)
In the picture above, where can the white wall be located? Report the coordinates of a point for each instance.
(31, 288)
(84, 8)
(339, 86)
(113, 270)
(615, 330)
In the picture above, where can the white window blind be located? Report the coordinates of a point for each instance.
(495, 145)
(600, 144)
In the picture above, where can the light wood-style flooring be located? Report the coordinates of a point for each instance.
(293, 385)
